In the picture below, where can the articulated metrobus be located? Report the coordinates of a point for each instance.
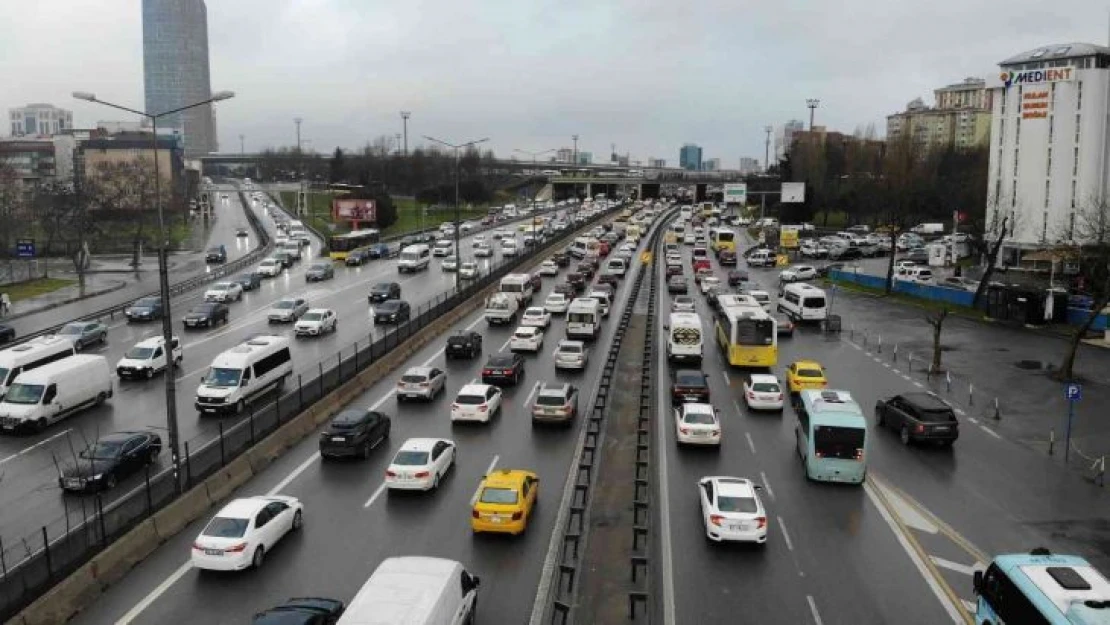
(746, 334)
(831, 436)
(722, 239)
(340, 244)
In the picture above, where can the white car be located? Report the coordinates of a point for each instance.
(468, 270)
(224, 292)
(241, 533)
(147, 357)
(731, 510)
(421, 383)
(443, 247)
(556, 303)
(763, 392)
(449, 263)
(270, 268)
(697, 424)
(708, 283)
(476, 402)
(526, 339)
(549, 268)
(420, 464)
(682, 303)
(287, 309)
(315, 322)
(797, 273)
(509, 247)
(479, 239)
(536, 317)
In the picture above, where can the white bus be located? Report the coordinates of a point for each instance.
(34, 353)
(684, 337)
(583, 318)
(243, 373)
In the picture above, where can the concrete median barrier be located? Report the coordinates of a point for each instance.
(227, 479)
(181, 511)
(58, 605)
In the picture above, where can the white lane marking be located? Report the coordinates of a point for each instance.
(294, 474)
(767, 485)
(36, 445)
(956, 566)
(736, 403)
(876, 359)
(855, 345)
(505, 344)
(991, 432)
(813, 610)
(973, 420)
(727, 380)
(785, 535)
(952, 610)
(374, 497)
(751, 443)
(535, 387)
(478, 491)
(906, 377)
(886, 364)
(959, 411)
(970, 606)
(154, 594)
(918, 384)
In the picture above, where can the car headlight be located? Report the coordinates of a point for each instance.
(96, 478)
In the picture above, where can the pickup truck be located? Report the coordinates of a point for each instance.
(501, 308)
(464, 345)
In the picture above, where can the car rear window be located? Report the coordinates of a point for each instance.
(226, 527)
(765, 387)
(498, 496)
(809, 373)
(936, 416)
(500, 361)
(411, 458)
(737, 504)
(550, 400)
(689, 378)
(570, 349)
(698, 418)
(470, 400)
(413, 377)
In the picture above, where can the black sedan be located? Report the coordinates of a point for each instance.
(502, 369)
(357, 256)
(302, 611)
(727, 258)
(689, 385)
(463, 345)
(561, 259)
(383, 291)
(110, 459)
(249, 281)
(392, 311)
(677, 284)
(737, 277)
(565, 289)
(144, 309)
(587, 269)
(354, 433)
(577, 281)
(7, 334)
(319, 271)
(206, 315)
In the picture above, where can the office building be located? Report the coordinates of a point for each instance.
(749, 165)
(1048, 144)
(175, 69)
(564, 155)
(657, 163)
(39, 120)
(784, 137)
(689, 157)
(960, 119)
(585, 158)
(711, 164)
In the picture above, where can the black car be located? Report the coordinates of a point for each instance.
(206, 315)
(502, 369)
(242, 232)
(249, 281)
(737, 277)
(919, 416)
(577, 281)
(110, 459)
(463, 345)
(7, 334)
(216, 255)
(689, 386)
(319, 271)
(354, 433)
(383, 291)
(285, 258)
(727, 258)
(357, 256)
(407, 241)
(302, 611)
(846, 253)
(586, 269)
(823, 272)
(561, 259)
(144, 309)
(392, 311)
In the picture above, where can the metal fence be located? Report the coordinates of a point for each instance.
(32, 564)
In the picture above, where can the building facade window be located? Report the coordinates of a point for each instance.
(1051, 128)
(1048, 168)
(1075, 163)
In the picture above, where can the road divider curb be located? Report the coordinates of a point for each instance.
(227, 479)
(182, 511)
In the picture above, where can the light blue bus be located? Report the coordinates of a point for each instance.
(1040, 588)
(831, 436)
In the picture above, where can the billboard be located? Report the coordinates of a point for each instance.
(793, 192)
(788, 236)
(736, 193)
(354, 210)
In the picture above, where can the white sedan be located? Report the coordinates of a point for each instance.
(763, 392)
(224, 292)
(479, 239)
(420, 464)
(485, 250)
(241, 533)
(468, 270)
(556, 303)
(526, 339)
(315, 322)
(708, 283)
(798, 272)
(697, 424)
(549, 268)
(731, 510)
(536, 317)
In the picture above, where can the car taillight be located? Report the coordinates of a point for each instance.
(716, 519)
(237, 548)
(454, 406)
(920, 428)
(751, 395)
(761, 522)
(389, 473)
(474, 513)
(487, 371)
(859, 454)
(198, 547)
(518, 516)
(684, 430)
(780, 396)
(715, 433)
(421, 474)
(483, 408)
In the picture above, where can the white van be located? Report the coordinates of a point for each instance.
(53, 392)
(603, 300)
(803, 302)
(762, 258)
(918, 274)
(148, 357)
(519, 285)
(243, 373)
(414, 258)
(684, 337)
(34, 353)
(583, 318)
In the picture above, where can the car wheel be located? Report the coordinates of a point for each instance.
(149, 373)
(110, 481)
(103, 338)
(77, 346)
(239, 406)
(880, 417)
(904, 435)
(259, 556)
(435, 482)
(298, 521)
(152, 456)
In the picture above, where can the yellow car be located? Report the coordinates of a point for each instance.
(505, 501)
(805, 374)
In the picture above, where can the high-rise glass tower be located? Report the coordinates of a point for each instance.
(175, 69)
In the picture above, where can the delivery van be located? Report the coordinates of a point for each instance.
(415, 590)
(55, 391)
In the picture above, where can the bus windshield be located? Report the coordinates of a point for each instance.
(755, 332)
(831, 441)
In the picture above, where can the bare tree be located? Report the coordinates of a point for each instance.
(999, 225)
(127, 189)
(1091, 231)
(936, 320)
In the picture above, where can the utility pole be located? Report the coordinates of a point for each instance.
(242, 149)
(767, 149)
(405, 124)
(458, 215)
(398, 137)
(575, 139)
(302, 196)
(812, 104)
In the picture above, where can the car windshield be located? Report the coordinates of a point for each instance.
(202, 310)
(550, 400)
(312, 316)
(390, 305)
(226, 527)
(139, 353)
(411, 458)
(810, 373)
(470, 400)
(699, 418)
(103, 450)
(319, 267)
(4, 374)
(765, 387)
(498, 496)
(24, 393)
(146, 303)
(556, 297)
(381, 287)
(745, 505)
(689, 378)
(285, 303)
(220, 376)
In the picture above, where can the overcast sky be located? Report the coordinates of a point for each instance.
(646, 75)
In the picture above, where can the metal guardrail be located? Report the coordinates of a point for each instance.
(183, 286)
(31, 565)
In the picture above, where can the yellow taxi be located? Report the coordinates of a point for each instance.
(805, 374)
(504, 501)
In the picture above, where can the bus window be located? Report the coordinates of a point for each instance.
(755, 332)
(838, 442)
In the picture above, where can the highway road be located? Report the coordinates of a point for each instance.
(28, 462)
(352, 523)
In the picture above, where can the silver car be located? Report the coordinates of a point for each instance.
(287, 310)
(421, 383)
(571, 355)
(683, 303)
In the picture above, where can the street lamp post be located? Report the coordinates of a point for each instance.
(812, 104)
(163, 274)
(458, 214)
(534, 155)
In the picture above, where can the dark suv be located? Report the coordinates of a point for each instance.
(689, 386)
(383, 291)
(918, 416)
(464, 345)
(354, 433)
(392, 311)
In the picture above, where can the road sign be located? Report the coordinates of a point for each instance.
(25, 248)
(645, 258)
(1073, 392)
(736, 193)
